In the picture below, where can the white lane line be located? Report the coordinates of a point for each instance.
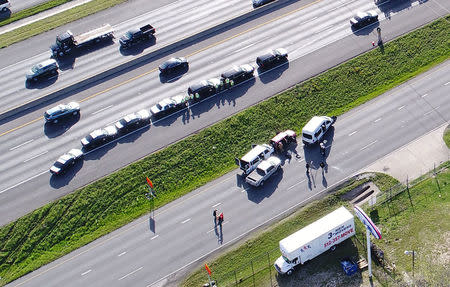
(427, 113)
(337, 7)
(377, 120)
(154, 237)
(123, 253)
(186, 221)
(243, 48)
(364, 147)
(33, 157)
(296, 184)
(401, 108)
(86, 272)
(423, 96)
(324, 29)
(352, 133)
(28, 179)
(22, 144)
(131, 273)
(217, 204)
(101, 110)
(446, 83)
(174, 79)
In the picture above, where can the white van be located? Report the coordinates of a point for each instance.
(4, 5)
(316, 128)
(251, 159)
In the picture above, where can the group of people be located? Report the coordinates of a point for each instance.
(322, 152)
(218, 217)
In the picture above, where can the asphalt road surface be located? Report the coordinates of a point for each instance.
(173, 22)
(29, 148)
(151, 251)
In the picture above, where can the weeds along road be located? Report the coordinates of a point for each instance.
(29, 148)
(146, 253)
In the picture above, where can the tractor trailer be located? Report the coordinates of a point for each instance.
(315, 239)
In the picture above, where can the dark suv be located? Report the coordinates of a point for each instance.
(238, 74)
(272, 58)
(46, 68)
(205, 89)
(62, 111)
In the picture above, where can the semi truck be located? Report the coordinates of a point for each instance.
(67, 42)
(315, 239)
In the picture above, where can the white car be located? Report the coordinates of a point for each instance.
(264, 170)
(65, 161)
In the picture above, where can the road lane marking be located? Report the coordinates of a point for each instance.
(21, 126)
(296, 184)
(217, 204)
(28, 179)
(154, 237)
(243, 48)
(185, 220)
(423, 96)
(352, 133)
(377, 120)
(427, 113)
(86, 272)
(446, 83)
(307, 21)
(33, 157)
(131, 273)
(22, 144)
(101, 110)
(364, 147)
(401, 108)
(123, 253)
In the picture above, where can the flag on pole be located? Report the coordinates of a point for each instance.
(207, 269)
(149, 182)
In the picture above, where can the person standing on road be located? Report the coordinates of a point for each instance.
(215, 216)
(221, 219)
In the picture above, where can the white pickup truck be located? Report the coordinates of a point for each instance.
(263, 171)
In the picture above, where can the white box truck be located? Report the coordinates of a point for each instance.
(315, 239)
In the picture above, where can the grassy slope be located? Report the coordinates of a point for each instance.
(74, 220)
(57, 20)
(424, 227)
(447, 136)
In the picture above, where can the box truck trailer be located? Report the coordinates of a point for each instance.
(315, 239)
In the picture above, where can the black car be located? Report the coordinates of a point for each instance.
(168, 106)
(257, 3)
(62, 111)
(362, 19)
(99, 137)
(238, 74)
(65, 161)
(272, 58)
(205, 89)
(132, 121)
(173, 65)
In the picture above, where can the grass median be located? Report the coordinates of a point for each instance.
(52, 22)
(420, 221)
(92, 211)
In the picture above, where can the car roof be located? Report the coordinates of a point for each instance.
(271, 161)
(46, 63)
(231, 72)
(254, 152)
(97, 133)
(313, 123)
(56, 109)
(282, 135)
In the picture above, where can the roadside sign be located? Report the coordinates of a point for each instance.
(365, 219)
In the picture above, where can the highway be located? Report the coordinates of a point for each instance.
(173, 22)
(29, 148)
(144, 254)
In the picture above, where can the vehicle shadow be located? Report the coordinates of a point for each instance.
(312, 152)
(203, 106)
(365, 30)
(172, 77)
(138, 48)
(5, 14)
(40, 84)
(58, 181)
(98, 152)
(229, 96)
(268, 75)
(134, 135)
(258, 194)
(67, 62)
(52, 130)
(167, 120)
(389, 7)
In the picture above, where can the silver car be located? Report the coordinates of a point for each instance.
(66, 161)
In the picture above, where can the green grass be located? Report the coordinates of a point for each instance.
(32, 11)
(447, 136)
(76, 219)
(424, 227)
(52, 22)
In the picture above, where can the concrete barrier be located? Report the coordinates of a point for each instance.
(135, 61)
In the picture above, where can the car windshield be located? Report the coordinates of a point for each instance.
(260, 172)
(35, 69)
(128, 35)
(58, 164)
(159, 106)
(287, 260)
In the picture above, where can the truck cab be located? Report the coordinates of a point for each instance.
(63, 44)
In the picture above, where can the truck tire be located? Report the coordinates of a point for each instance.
(4, 9)
(332, 248)
(61, 54)
(289, 272)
